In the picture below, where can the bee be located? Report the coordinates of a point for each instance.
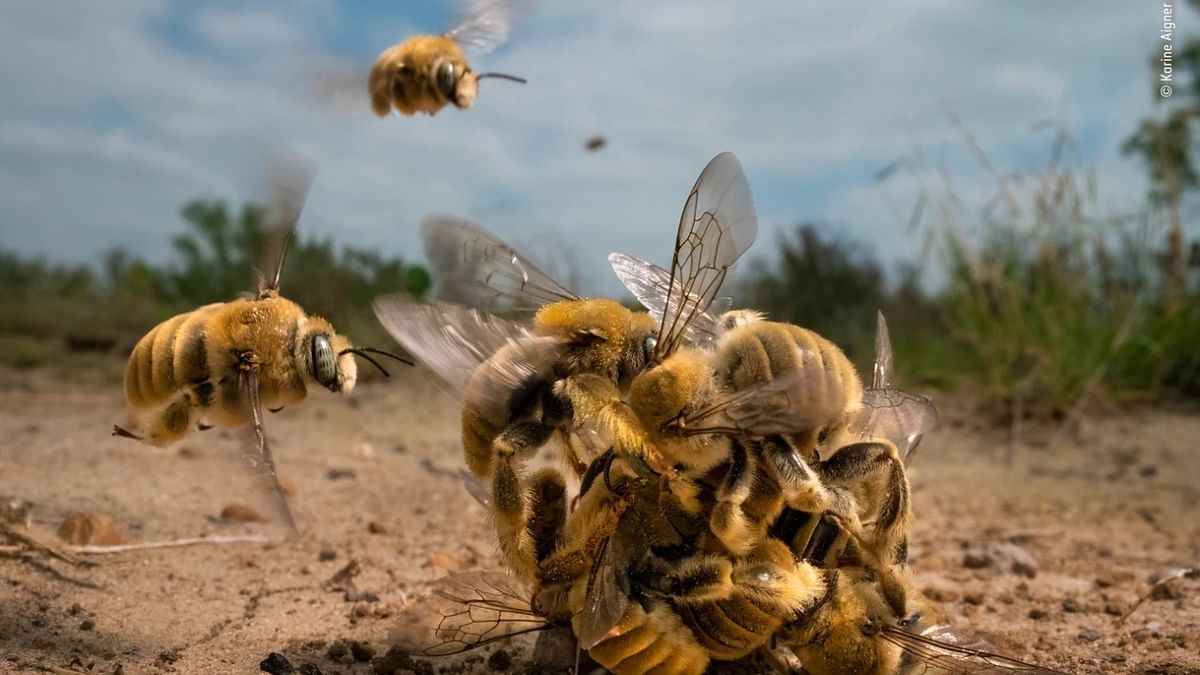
(221, 364)
(427, 72)
(522, 385)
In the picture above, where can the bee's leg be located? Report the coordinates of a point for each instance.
(802, 487)
(592, 523)
(874, 475)
(737, 529)
(171, 424)
(509, 492)
(596, 400)
(701, 577)
(547, 512)
(121, 432)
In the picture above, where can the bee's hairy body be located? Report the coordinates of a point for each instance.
(186, 369)
(606, 345)
(405, 77)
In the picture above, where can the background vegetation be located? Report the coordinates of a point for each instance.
(1047, 302)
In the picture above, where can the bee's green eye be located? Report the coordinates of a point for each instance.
(446, 81)
(324, 361)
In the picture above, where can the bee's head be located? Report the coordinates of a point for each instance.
(607, 338)
(843, 634)
(328, 358)
(322, 356)
(455, 81)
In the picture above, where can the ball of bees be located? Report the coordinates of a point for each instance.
(425, 73)
(748, 493)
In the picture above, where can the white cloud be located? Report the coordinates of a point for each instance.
(106, 107)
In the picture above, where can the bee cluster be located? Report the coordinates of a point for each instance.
(728, 486)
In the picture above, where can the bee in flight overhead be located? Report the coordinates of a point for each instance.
(221, 364)
(427, 72)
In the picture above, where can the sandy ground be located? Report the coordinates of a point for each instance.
(1089, 518)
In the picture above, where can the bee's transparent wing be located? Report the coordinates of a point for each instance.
(290, 177)
(475, 267)
(607, 596)
(651, 285)
(926, 654)
(451, 340)
(716, 227)
(807, 397)
(881, 371)
(897, 416)
(485, 24)
(464, 611)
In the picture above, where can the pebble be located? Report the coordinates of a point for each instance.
(87, 624)
(242, 514)
(327, 553)
(276, 664)
(341, 473)
(1037, 614)
(375, 527)
(1088, 635)
(1071, 605)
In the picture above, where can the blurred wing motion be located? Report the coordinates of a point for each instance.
(464, 611)
(804, 398)
(924, 654)
(898, 416)
(716, 227)
(290, 178)
(474, 267)
(453, 340)
(485, 25)
(259, 462)
(607, 596)
(881, 370)
(651, 285)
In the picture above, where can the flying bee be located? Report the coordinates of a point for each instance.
(221, 364)
(427, 72)
(524, 385)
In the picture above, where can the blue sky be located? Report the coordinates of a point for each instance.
(115, 114)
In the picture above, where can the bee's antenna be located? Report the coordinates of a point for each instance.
(365, 353)
(282, 257)
(511, 78)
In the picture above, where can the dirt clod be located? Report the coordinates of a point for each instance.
(1089, 635)
(500, 660)
(1071, 605)
(443, 561)
(327, 553)
(309, 669)
(341, 474)
(87, 624)
(375, 527)
(91, 529)
(1038, 614)
(361, 651)
(276, 664)
(240, 513)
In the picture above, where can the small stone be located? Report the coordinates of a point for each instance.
(368, 597)
(975, 560)
(327, 553)
(443, 561)
(375, 527)
(400, 448)
(91, 529)
(1166, 591)
(1070, 605)
(240, 513)
(1148, 471)
(188, 452)
(973, 598)
(1113, 609)
(1153, 626)
(169, 656)
(364, 450)
(361, 651)
(499, 660)
(309, 669)
(1038, 614)
(1088, 635)
(287, 486)
(339, 651)
(276, 664)
(75, 609)
(341, 473)
(87, 624)
(396, 660)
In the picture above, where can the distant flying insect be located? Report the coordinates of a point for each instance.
(595, 143)
(427, 72)
(221, 364)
